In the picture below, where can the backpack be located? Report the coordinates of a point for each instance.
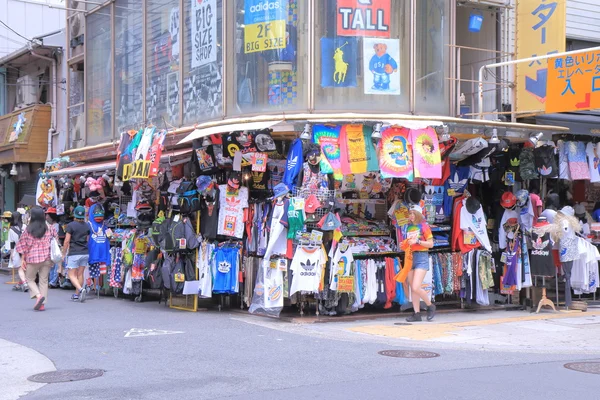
(188, 200)
(154, 278)
(172, 231)
(177, 276)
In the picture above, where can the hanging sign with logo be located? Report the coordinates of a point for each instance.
(367, 18)
(204, 32)
(265, 22)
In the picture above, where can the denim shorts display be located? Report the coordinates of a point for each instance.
(77, 261)
(421, 260)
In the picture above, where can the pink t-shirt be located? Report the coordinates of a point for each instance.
(426, 153)
(395, 154)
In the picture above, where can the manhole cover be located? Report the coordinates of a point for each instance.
(408, 354)
(587, 367)
(66, 375)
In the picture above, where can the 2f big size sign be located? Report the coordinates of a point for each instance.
(366, 18)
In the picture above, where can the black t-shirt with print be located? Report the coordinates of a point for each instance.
(209, 215)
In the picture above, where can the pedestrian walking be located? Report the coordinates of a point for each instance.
(420, 240)
(34, 245)
(14, 262)
(52, 220)
(76, 252)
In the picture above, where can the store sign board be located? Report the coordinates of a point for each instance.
(265, 23)
(366, 18)
(541, 30)
(204, 32)
(573, 82)
(139, 169)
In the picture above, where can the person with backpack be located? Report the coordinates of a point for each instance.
(14, 261)
(75, 251)
(34, 244)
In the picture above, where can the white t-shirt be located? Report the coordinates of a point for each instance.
(593, 162)
(477, 224)
(273, 282)
(508, 214)
(526, 217)
(278, 234)
(231, 213)
(145, 143)
(307, 267)
(340, 266)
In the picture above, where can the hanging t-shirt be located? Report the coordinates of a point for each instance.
(277, 244)
(341, 264)
(514, 161)
(545, 162)
(294, 219)
(276, 168)
(98, 244)
(327, 136)
(293, 165)
(593, 161)
(156, 151)
(541, 257)
(231, 212)
(426, 153)
(145, 143)
(133, 145)
(476, 224)
(209, 216)
(563, 162)
(273, 284)
(259, 180)
(578, 166)
(307, 267)
(372, 161)
(395, 154)
(434, 203)
(455, 186)
(445, 150)
(225, 272)
(353, 149)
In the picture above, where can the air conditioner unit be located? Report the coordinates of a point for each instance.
(27, 91)
(77, 23)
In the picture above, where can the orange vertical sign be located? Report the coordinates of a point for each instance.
(573, 82)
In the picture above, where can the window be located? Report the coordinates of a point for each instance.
(202, 61)
(362, 55)
(268, 48)
(128, 65)
(99, 69)
(432, 57)
(162, 62)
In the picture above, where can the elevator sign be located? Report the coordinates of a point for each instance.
(264, 25)
(366, 18)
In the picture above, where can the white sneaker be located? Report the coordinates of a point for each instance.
(82, 294)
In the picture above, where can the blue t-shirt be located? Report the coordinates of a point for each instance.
(377, 64)
(596, 215)
(98, 244)
(225, 272)
(295, 159)
(457, 182)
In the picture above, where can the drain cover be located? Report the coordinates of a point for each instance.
(402, 323)
(587, 367)
(408, 354)
(66, 375)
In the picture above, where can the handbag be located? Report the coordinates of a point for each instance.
(55, 251)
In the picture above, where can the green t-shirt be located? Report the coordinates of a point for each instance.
(294, 218)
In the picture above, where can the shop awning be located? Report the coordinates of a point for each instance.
(102, 166)
(244, 126)
(579, 123)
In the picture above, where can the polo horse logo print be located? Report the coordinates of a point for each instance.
(341, 67)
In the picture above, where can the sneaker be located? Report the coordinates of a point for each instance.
(18, 287)
(82, 294)
(42, 308)
(431, 312)
(25, 287)
(416, 317)
(75, 297)
(39, 303)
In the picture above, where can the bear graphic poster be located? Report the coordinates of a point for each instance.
(381, 66)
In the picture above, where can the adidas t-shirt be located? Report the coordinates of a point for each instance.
(545, 163)
(307, 267)
(231, 212)
(467, 148)
(455, 186)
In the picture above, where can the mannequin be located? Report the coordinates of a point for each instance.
(542, 258)
(552, 204)
(310, 177)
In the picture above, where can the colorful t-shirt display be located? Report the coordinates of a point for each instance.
(353, 149)
(307, 267)
(145, 143)
(231, 213)
(426, 153)
(327, 136)
(578, 166)
(593, 158)
(156, 152)
(395, 154)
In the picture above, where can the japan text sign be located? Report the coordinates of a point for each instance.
(367, 18)
(265, 25)
(541, 30)
(573, 82)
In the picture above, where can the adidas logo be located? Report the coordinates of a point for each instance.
(233, 201)
(224, 267)
(515, 162)
(545, 171)
(308, 267)
(257, 177)
(292, 163)
(456, 183)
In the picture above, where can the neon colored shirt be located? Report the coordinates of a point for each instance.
(421, 231)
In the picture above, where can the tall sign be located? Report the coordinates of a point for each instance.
(541, 30)
(367, 18)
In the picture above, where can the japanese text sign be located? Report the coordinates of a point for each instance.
(541, 30)
(573, 82)
(367, 18)
(264, 25)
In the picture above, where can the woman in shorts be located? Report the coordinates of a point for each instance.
(76, 252)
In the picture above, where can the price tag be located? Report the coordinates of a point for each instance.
(109, 233)
(182, 244)
(503, 258)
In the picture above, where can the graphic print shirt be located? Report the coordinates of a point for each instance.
(426, 153)
(593, 157)
(231, 213)
(307, 267)
(377, 64)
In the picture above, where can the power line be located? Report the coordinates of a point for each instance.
(13, 31)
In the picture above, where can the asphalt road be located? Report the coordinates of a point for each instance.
(224, 355)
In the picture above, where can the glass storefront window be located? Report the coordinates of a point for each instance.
(162, 62)
(202, 60)
(268, 48)
(98, 69)
(432, 57)
(362, 55)
(128, 64)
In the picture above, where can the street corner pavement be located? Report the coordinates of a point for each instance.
(17, 363)
(495, 331)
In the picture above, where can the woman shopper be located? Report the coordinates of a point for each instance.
(420, 240)
(14, 262)
(34, 245)
(76, 252)
(52, 220)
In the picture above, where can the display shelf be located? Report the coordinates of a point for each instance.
(441, 228)
(352, 201)
(360, 234)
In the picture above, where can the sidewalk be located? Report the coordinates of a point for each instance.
(16, 364)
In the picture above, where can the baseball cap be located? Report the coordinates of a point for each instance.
(508, 200)
(311, 205)
(416, 207)
(51, 210)
(79, 212)
(329, 222)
